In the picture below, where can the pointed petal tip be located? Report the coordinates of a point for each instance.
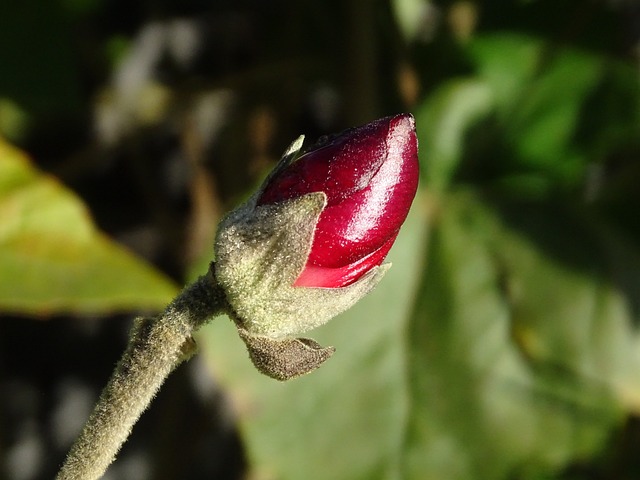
(403, 126)
(403, 120)
(402, 141)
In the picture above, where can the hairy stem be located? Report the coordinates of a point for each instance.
(156, 347)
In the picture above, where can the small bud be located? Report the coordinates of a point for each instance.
(311, 241)
(370, 176)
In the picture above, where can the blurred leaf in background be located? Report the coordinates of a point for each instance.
(525, 335)
(348, 420)
(52, 258)
(524, 354)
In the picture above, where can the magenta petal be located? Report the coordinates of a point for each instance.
(326, 277)
(364, 221)
(344, 165)
(370, 176)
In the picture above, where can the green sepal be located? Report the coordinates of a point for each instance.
(260, 252)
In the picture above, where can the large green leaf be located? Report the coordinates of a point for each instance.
(345, 420)
(541, 93)
(524, 351)
(520, 358)
(53, 259)
(518, 120)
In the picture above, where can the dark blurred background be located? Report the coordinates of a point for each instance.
(160, 116)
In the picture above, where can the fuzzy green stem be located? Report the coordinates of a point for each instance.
(156, 347)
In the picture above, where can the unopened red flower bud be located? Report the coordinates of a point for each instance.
(370, 176)
(311, 241)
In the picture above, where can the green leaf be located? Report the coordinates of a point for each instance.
(541, 93)
(508, 63)
(548, 116)
(345, 420)
(523, 345)
(442, 122)
(54, 260)
(519, 357)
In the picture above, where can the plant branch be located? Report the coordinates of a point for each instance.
(156, 347)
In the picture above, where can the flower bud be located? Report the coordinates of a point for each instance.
(370, 176)
(311, 241)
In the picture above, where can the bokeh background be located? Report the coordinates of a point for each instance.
(503, 344)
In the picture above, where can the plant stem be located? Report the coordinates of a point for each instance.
(156, 347)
